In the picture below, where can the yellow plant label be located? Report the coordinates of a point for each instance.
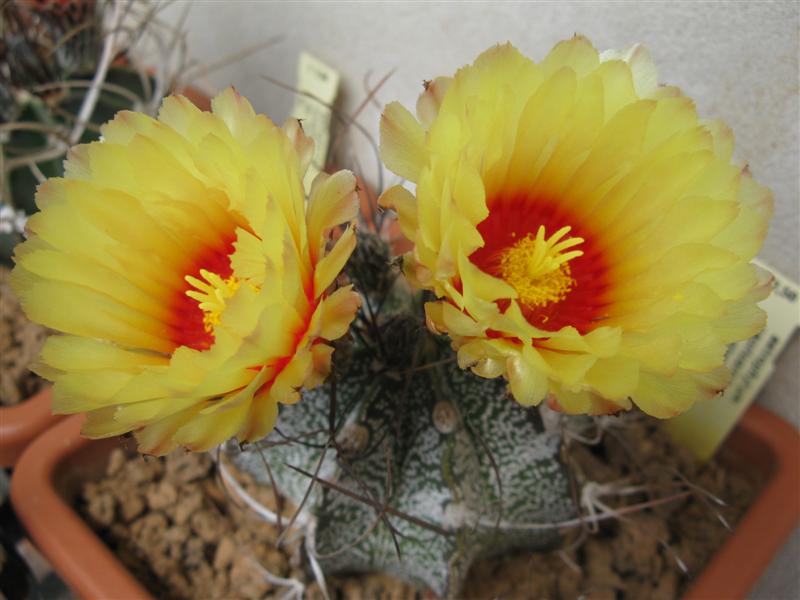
(704, 427)
(318, 85)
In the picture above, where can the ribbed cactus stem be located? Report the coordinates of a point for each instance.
(448, 460)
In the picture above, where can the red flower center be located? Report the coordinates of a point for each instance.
(190, 326)
(560, 274)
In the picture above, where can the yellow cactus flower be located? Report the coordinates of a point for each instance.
(191, 283)
(587, 236)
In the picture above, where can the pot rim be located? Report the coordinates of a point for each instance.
(85, 563)
(766, 440)
(21, 423)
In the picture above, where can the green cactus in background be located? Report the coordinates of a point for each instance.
(48, 59)
(429, 467)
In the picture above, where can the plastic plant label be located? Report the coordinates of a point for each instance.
(703, 427)
(321, 82)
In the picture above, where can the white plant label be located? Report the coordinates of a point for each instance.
(321, 82)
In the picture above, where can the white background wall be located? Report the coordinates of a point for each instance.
(738, 60)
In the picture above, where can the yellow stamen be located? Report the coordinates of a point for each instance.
(211, 295)
(537, 267)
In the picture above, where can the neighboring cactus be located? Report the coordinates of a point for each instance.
(48, 59)
(52, 114)
(463, 470)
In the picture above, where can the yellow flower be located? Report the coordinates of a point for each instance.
(587, 235)
(191, 283)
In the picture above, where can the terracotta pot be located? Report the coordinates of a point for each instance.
(769, 446)
(49, 474)
(44, 486)
(21, 423)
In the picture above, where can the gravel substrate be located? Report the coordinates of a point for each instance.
(184, 537)
(20, 342)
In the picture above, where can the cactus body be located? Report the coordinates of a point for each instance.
(439, 445)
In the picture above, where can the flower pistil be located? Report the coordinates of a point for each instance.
(212, 295)
(537, 267)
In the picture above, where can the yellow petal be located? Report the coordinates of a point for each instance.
(261, 420)
(667, 224)
(430, 100)
(285, 388)
(401, 200)
(402, 142)
(449, 318)
(528, 383)
(333, 201)
(645, 75)
(331, 265)
(321, 360)
(338, 311)
(157, 204)
(303, 145)
(613, 378)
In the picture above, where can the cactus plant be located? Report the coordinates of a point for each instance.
(425, 466)
(403, 461)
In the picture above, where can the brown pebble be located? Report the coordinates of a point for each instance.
(207, 525)
(219, 587)
(147, 530)
(213, 492)
(244, 535)
(194, 552)
(140, 470)
(202, 577)
(179, 584)
(183, 467)
(600, 593)
(353, 590)
(666, 586)
(101, 509)
(600, 576)
(131, 507)
(172, 542)
(636, 545)
(595, 468)
(252, 590)
(313, 592)
(91, 488)
(163, 566)
(276, 562)
(379, 585)
(187, 505)
(568, 583)
(20, 343)
(225, 553)
(248, 580)
(161, 495)
(116, 460)
(177, 533)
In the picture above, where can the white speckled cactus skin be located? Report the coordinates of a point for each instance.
(440, 445)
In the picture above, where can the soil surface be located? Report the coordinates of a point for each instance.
(20, 342)
(183, 536)
(174, 525)
(652, 553)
